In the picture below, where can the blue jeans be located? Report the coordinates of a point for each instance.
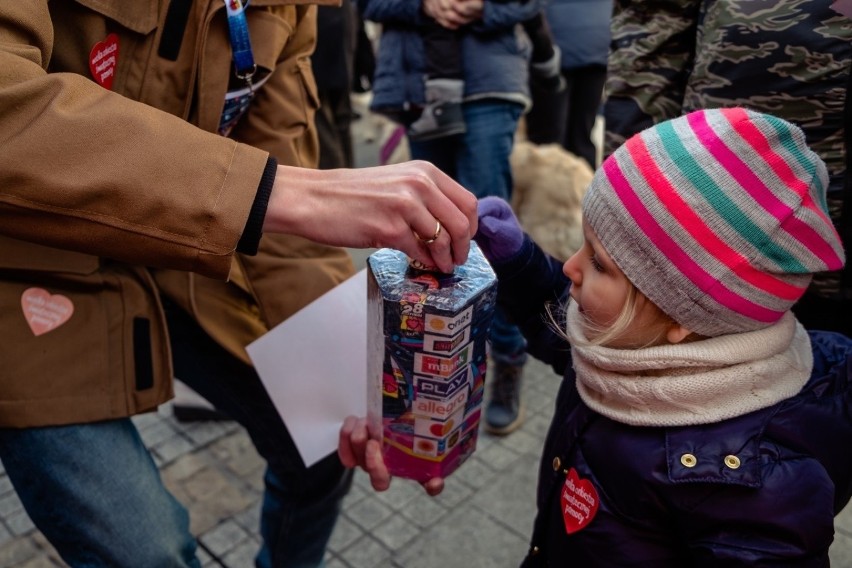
(479, 158)
(479, 161)
(96, 494)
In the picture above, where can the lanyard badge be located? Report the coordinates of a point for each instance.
(240, 42)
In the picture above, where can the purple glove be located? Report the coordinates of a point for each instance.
(499, 235)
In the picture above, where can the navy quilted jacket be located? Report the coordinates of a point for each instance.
(495, 54)
(758, 490)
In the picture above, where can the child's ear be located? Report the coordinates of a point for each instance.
(677, 333)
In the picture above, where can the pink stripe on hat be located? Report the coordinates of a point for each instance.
(693, 224)
(739, 120)
(739, 170)
(715, 217)
(706, 282)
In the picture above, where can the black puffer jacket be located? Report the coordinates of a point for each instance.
(761, 489)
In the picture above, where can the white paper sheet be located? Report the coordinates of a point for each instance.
(314, 366)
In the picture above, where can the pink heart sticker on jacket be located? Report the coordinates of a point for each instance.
(45, 311)
(579, 502)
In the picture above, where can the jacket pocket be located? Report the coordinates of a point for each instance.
(56, 328)
(116, 31)
(77, 332)
(274, 30)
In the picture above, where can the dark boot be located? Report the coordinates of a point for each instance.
(505, 413)
(442, 115)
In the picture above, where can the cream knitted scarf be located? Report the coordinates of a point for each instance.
(692, 383)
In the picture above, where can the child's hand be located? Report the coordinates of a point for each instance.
(499, 235)
(357, 449)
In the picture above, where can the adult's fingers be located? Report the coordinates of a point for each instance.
(383, 206)
(442, 12)
(452, 20)
(437, 249)
(455, 207)
(437, 198)
(466, 11)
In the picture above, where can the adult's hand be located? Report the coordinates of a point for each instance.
(357, 449)
(452, 14)
(470, 9)
(396, 206)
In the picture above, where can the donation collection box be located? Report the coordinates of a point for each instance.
(427, 356)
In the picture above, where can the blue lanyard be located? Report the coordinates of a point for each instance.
(240, 41)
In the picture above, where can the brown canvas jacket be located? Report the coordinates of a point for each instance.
(112, 198)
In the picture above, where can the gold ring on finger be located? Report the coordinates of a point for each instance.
(434, 237)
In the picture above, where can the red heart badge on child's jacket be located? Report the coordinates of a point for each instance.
(579, 502)
(102, 60)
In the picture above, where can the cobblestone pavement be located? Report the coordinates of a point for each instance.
(482, 520)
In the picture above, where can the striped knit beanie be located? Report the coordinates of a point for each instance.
(718, 217)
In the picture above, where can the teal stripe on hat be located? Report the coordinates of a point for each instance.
(807, 163)
(723, 204)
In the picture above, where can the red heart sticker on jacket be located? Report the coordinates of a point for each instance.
(102, 60)
(579, 502)
(45, 311)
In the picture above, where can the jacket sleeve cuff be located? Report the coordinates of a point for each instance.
(529, 278)
(250, 241)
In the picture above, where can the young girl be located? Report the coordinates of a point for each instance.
(698, 424)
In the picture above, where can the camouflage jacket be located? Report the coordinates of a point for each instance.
(790, 58)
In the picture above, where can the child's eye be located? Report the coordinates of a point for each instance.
(595, 264)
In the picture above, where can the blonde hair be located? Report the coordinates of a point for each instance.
(606, 335)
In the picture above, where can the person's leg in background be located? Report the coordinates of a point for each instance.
(333, 64)
(546, 60)
(300, 505)
(95, 493)
(483, 167)
(334, 127)
(505, 411)
(585, 87)
(363, 60)
(442, 153)
(568, 117)
(482, 160)
(547, 120)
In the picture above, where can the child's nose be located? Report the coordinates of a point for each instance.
(571, 268)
